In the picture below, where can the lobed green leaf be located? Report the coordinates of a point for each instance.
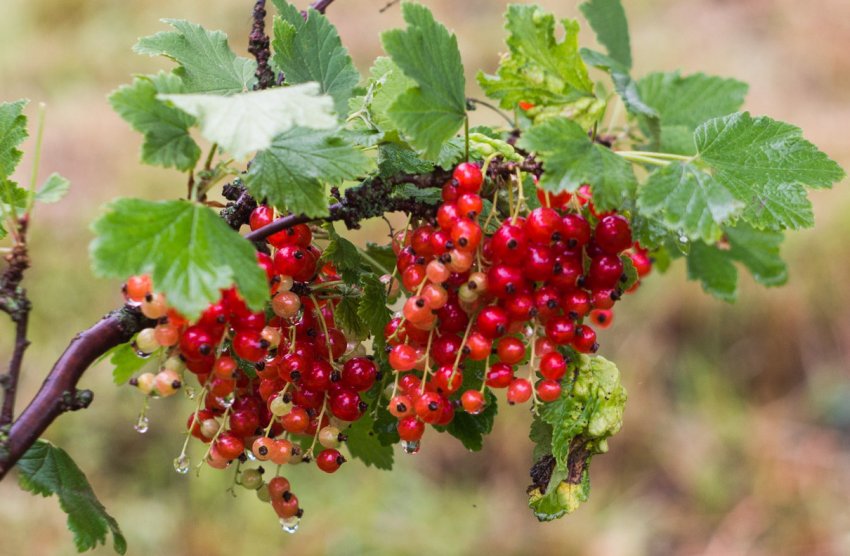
(207, 65)
(189, 252)
(310, 49)
(434, 109)
(247, 122)
(166, 129)
(571, 159)
(293, 171)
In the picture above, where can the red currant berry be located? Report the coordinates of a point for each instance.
(429, 407)
(575, 230)
(585, 340)
(602, 317)
(553, 366)
(229, 446)
(560, 330)
(509, 244)
(543, 226)
(329, 460)
(468, 177)
(548, 390)
(519, 391)
(613, 234)
(359, 373)
(410, 429)
(605, 271)
(401, 406)
(345, 404)
(510, 351)
(492, 322)
(472, 401)
(250, 345)
(500, 375)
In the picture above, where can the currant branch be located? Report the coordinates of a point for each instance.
(14, 302)
(59, 393)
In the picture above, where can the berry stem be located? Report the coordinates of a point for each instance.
(460, 350)
(427, 369)
(531, 377)
(319, 427)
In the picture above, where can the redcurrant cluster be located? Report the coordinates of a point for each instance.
(274, 384)
(527, 293)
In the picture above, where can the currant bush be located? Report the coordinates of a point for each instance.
(508, 248)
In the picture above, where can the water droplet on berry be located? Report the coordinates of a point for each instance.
(182, 463)
(410, 447)
(290, 524)
(227, 401)
(142, 423)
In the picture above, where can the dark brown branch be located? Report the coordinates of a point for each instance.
(59, 392)
(371, 198)
(321, 5)
(14, 302)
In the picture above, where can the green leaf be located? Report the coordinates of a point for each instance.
(683, 103)
(247, 122)
(714, 269)
(395, 159)
(386, 427)
(759, 252)
(166, 129)
(190, 253)
(13, 196)
(689, 201)
(344, 256)
(46, 470)
(586, 415)
(387, 83)
(432, 111)
(471, 429)
(13, 131)
(310, 50)
(766, 163)
(383, 255)
(541, 434)
(207, 65)
(373, 308)
(538, 69)
(345, 315)
(126, 362)
(562, 496)
(625, 86)
(54, 188)
(608, 20)
(292, 172)
(571, 159)
(363, 444)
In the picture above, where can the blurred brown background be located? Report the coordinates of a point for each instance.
(737, 433)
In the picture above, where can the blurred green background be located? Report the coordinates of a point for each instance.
(737, 432)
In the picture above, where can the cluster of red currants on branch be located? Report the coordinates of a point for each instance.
(282, 385)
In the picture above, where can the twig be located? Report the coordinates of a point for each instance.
(492, 107)
(59, 392)
(14, 302)
(321, 5)
(388, 5)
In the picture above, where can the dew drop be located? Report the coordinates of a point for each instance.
(410, 447)
(227, 401)
(142, 423)
(182, 463)
(290, 524)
